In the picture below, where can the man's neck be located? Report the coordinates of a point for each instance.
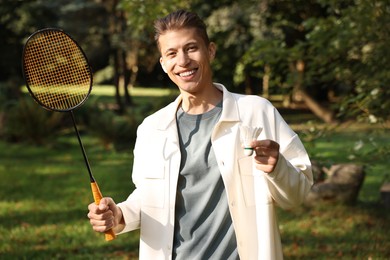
(200, 104)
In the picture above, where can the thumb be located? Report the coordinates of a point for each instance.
(104, 203)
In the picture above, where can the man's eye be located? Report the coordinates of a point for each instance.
(192, 48)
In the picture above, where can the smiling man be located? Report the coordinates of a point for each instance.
(198, 194)
(186, 57)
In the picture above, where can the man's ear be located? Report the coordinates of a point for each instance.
(212, 50)
(162, 65)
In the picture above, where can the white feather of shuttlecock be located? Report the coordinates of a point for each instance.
(247, 135)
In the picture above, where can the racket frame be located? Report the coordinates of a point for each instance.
(97, 195)
(31, 37)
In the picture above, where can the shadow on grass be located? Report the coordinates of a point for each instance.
(336, 232)
(109, 250)
(39, 217)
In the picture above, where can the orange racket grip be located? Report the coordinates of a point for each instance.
(97, 196)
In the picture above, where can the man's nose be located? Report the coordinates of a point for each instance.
(183, 59)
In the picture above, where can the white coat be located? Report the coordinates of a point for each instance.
(252, 194)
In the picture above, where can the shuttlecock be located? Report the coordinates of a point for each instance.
(247, 135)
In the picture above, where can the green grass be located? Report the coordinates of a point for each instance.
(359, 231)
(44, 195)
(45, 191)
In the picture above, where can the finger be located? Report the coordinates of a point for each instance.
(265, 163)
(266, 152)
(266, 144)
(101, 225)
(101, 215)
(265, 168)
(106, 203)
(103, 205)
(106, 219)
(266, 159)
(93, 208)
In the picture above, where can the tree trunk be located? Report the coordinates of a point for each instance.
(117, 83)
(125, 68)
(267, 71)
(320, 111)
(126, 79)
(385, 194)
(131, 61)
(115, 51)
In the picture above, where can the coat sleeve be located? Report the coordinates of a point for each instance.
(131, 207)
(292, 177)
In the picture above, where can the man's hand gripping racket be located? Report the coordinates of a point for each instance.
(59, 78)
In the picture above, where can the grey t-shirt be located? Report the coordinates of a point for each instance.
(203, 226)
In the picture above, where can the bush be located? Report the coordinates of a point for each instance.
(117, 131)
(24, 120)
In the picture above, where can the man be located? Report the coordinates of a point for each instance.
(198, 195)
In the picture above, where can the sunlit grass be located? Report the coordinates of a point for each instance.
(109, 90)
(335, 232)
(44, 195)
(339, 231)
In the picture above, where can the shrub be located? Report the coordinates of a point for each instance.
(117, 131)
(24, 120)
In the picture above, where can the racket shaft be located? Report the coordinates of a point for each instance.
(97, 196)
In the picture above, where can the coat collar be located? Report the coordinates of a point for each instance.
(230, 112)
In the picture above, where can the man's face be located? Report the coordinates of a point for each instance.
(186, 58)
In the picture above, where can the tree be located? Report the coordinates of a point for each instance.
(328, 52)
(229, 26)
(131, 30)
(357, 52)
(332, 54)
(83, 20)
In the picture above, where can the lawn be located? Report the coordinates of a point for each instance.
(359, 231)
(44, 193)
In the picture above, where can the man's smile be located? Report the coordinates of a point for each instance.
(187, 73)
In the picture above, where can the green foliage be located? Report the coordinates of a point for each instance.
(356, 58)
(112, 129)
(9, 91)
(343, 46)
(85, 20)
(228, 27)
(141, 14)
(138, 35)
(25, 120)
(371, 145)
(99, 117)
(262, 54)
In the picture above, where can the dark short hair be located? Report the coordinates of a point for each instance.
(178, 20)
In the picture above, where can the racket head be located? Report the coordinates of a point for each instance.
(56, 70)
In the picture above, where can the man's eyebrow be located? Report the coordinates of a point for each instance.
(169, 50)
(185, 46)
(191, 43)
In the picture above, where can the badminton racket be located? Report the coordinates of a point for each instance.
(59, 78)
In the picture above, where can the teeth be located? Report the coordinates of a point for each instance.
(187, 73)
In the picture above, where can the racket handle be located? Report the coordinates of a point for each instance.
(97, 196)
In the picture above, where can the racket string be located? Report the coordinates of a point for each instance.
(57, 72)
